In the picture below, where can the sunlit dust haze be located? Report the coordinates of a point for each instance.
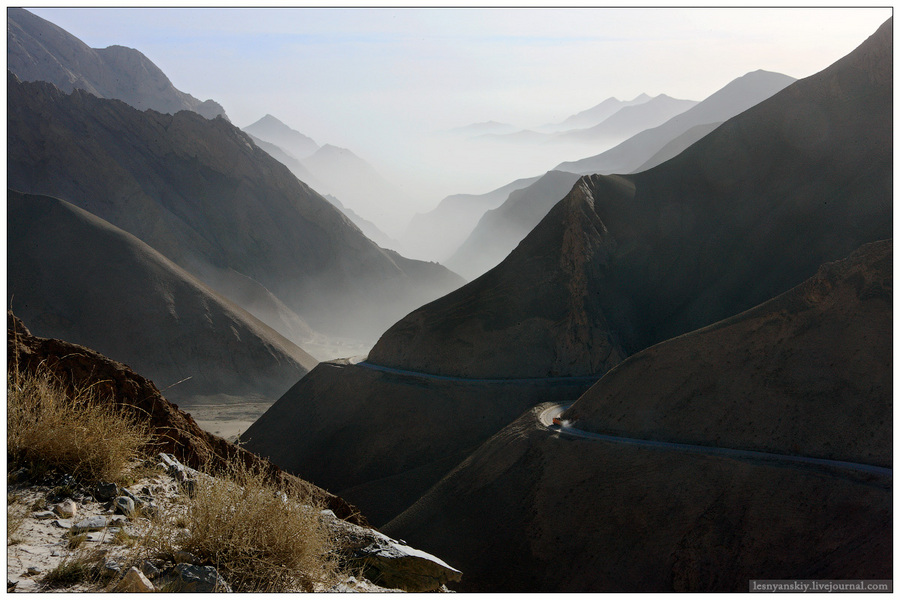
(399, 87)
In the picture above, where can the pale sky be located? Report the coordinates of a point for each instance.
(372, 79)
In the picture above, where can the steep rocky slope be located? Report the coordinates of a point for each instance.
(37, 50)
(201, 193)
(744, 214)
(73, 276)
(806, 374)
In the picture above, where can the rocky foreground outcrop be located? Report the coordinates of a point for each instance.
(807, 374)
(174, 431)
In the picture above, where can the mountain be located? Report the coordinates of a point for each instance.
(594, 115)
(708, 469)
(733, 99)
(279, 154)
(205, 196)
(275, 132)
(620, 264)
(501, 229)
(369, 229)
(37, 50)
(435, 235)
(358, 185)
(630, 120)
(742, 215)
(74, 276)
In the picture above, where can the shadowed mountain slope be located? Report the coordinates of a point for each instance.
(731, 100)
(499, 230)
(807, 374)
(74, 276)
(383, 438)
(200, 192)
(744, 214)
(784, 376)
(37, 50)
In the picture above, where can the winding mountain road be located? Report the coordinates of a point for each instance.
(548, 415)
(546, 419)
(573, 379)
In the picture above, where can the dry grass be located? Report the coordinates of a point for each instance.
(258, 538)
(80, 567)
(76, 433)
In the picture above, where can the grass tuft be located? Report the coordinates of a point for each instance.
(258, 538)
(76, 433)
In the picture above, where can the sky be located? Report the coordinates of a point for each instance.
(382, 81)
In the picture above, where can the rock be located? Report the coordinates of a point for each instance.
(66, 508)
(44, 514)
(134, 581)
(90, 524)
(124, 505)
(387, 562)
(149, 569)
(105, 491)
(62, 523)
(111, 570)
(175, 469)
(194, 578)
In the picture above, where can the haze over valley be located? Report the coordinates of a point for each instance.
(569, 299)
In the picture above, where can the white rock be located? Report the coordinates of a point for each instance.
(66, 509)
(133, 582)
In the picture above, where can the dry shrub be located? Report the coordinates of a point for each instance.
(258, 537)
(74, 432)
